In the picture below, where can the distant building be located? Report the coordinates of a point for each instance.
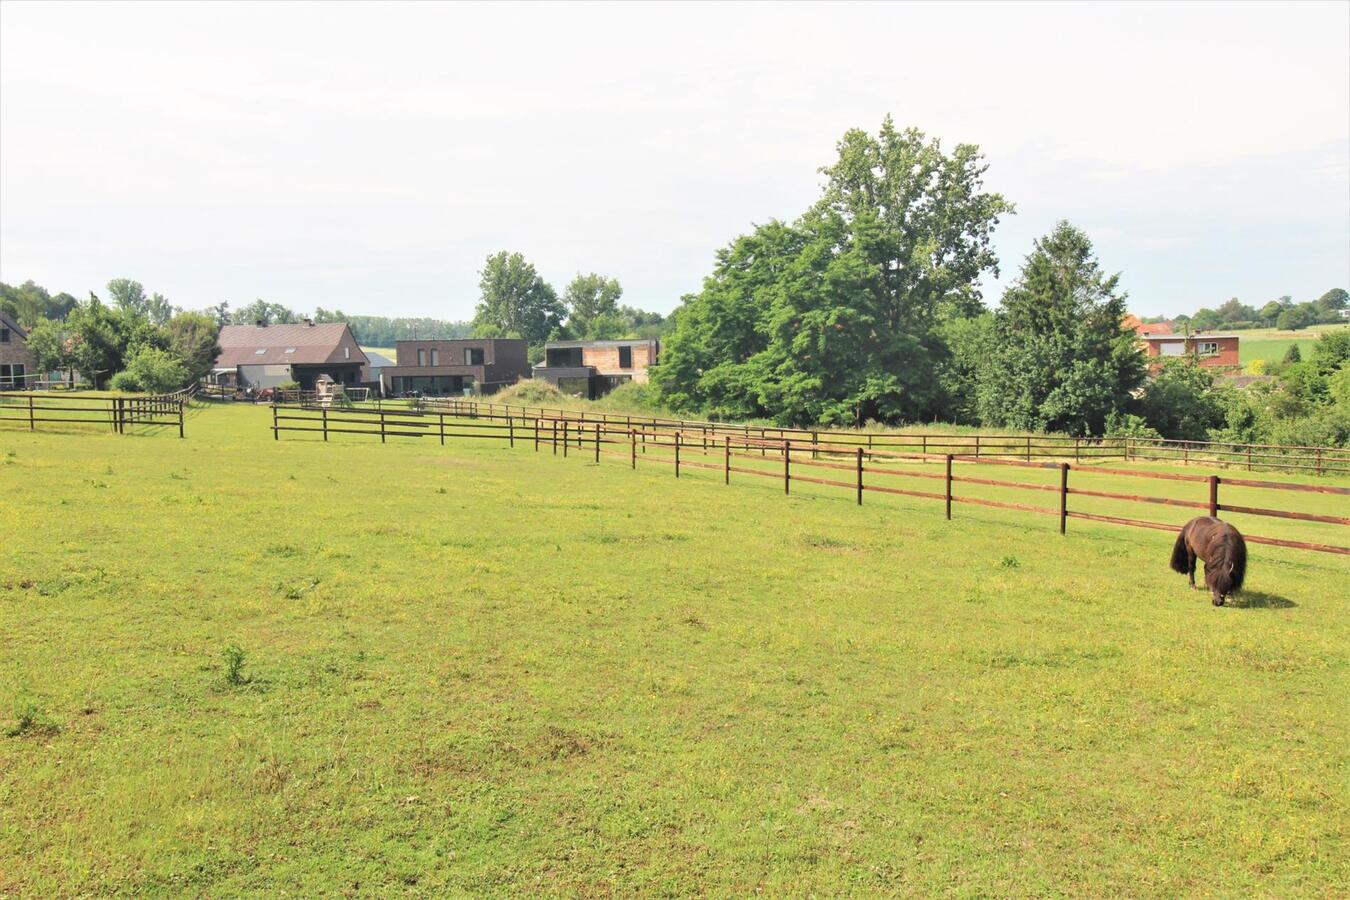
(1218, 351)
(262, 356)
(18, 365)
(456, 368)
(376, 363)
(1148, 329)
(594, 368)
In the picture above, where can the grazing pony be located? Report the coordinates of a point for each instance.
(1220, 546)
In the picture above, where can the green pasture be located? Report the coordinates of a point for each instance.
(478, 670)
(1270, 344)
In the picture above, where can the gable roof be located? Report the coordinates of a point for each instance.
(1148, 328)
(13, 326)
(303, 344)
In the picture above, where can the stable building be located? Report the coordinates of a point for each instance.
(592, 369)
(264, 356)
(455, 368)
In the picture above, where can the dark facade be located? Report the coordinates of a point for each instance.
(455, 368)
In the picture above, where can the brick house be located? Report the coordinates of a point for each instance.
(1216, 351)
(262, 356)
(594, 368)
(18, 365)
(455, 367)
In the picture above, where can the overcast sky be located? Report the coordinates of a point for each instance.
(368, 157)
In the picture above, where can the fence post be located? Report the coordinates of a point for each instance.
(32, 422)
(977, 446)
(381, 426)
(1077, 450)
(1063, 496)
(536, 434)
(325, 425)
(511, 430)
(632, 449)
(815, 445)
(275, 430)
(441, 416)
(949, 486)
(860, 484)
(1319, 455)
(1028, 448)
(1127, 449)
(181, 404)
(727, 459)
(1214, 496)
(597, 442)
(554, 432)
(923, 448)
(566, 441)
(677, 454)
(1249, 457)
(787, 466)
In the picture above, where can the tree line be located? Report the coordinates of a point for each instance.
(1282, 313)
(867, 308)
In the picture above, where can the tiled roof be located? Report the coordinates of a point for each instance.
(254, 345)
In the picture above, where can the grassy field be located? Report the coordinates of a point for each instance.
(1270, 344)
(478, 670)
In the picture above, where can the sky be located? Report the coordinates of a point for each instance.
(369, 157)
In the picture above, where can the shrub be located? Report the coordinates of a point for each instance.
(153, 371)
(1293, 354)
(234, 657)
(529, 392)
(289, 386)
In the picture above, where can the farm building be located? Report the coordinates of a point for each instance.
(262, 356)
(375, 364)
(594, 368)
(17, 363)
(456, 367)
(1219, 351)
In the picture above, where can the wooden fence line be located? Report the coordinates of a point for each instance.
(118, 413)
(599, 438)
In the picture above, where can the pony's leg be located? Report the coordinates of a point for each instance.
(1190, 566)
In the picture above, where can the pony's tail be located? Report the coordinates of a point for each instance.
(1238, 560)
(1181, 560)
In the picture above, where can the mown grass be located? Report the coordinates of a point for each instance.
(1270, 344)
(476, 670)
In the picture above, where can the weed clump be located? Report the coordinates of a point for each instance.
(234, 657)
(28, 719)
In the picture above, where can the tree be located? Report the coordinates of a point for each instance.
(834, 318)
(96, 341)
(1206, 319)
(588, 297)
(515, 300)
(151, 370)
(1182, 402)
(1293, 354)
(1271, 312)
(1336, 298)
(1295, 317)
(48, 342)
(262, 311)
(192, 338)
(1064, 360)
(1234, 310)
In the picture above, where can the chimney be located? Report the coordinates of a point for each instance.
(261, 323)
(309, 322)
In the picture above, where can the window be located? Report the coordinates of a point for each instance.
(435, 356)
(625, 357)
(260, 351)
(1171, 348)
(1208, 348)
(346, 352)
(4, 335)
(421, 357)
(290, 349)
(473, 356)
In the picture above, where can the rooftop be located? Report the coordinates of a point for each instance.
(291, 344)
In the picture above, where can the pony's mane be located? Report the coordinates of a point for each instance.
(1227, 562)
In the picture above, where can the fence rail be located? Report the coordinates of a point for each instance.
(31, 411)
(1252, 457)
(754, 456)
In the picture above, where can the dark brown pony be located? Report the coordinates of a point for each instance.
(1220, 546)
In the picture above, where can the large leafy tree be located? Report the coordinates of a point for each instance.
(515, 301)
(129, 297)
(267, 313)
(97, 341)
(192, 338)
(593, 297)
(834, 318)
(1063, 360)
(30, 303)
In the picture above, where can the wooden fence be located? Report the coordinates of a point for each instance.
(1252, 457)
(31, 410)
(871, 470)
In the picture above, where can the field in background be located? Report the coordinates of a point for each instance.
(478, 669)
(1270, 344)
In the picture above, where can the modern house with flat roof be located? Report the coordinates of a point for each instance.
(455, 368)
(1216, 351)
(262, 356)
(594, 368)
(18, 365)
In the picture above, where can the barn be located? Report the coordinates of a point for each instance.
(262, 355)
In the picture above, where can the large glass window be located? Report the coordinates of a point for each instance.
(473, 356)
(435, 356)
(421, 357)
(625, 357)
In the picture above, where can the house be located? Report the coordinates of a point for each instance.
(1148, 329)
(376, 363)
(456, 367)
(1218, 351)
(18, 365)
(594, 368)
(262, 356)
